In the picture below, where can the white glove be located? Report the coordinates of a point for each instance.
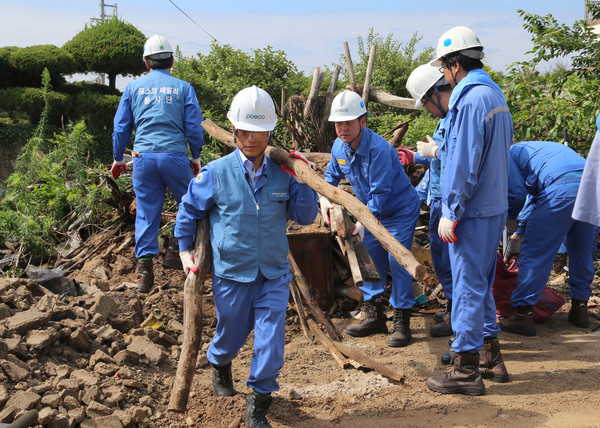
(446, 230)
(428, 149)
(326, 208)
(195, 163)
(187, 260)
(359, 230)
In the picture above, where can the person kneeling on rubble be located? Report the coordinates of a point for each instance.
(379, 181)
(247, 197)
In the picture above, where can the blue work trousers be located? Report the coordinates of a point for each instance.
(547, 226)
(152, 173)
(242, 307)
(473, 260)
(402, 227)
(439, 249)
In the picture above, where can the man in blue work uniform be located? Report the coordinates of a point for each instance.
(164, 112)
(379, 181)
(544, 179)
(248, 198)
(430, 89)
(474, 188)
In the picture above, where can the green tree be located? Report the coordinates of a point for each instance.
(113, 47)
(544, 105)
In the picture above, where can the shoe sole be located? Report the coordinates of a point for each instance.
(519, 331)
(434, 333)
(459, 390)
(349, 333)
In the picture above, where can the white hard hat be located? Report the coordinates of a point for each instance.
(422, 79)
(347, 105)
(456, 39)
(157, 47)
(252, 109)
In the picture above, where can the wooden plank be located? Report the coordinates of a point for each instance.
(328, 344)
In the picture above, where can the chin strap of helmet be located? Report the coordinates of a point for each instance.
(437, 103)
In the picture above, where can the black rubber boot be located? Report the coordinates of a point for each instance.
(464, 378)
(172, 260)
(374, 321)
(401, 335)
(222, 380)
(521, 322)
(145, 275)
(256, 410)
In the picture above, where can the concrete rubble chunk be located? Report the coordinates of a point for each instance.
(126, 357)
(68, 384)
(124, 417)
(46, 415)
(139, 413)
(97, 410)
(24, 321)
(141, 345)
(106, 369)
(23, 400)
(91, 394)
(106, 332)
(14, 372)
(111, 421)
(114, 394)
(76, 415)
(63, 371)
(104, 305)
(5, 311)
(59, 421)
(39, 339)
(4, 396)
(3, 349)
(84, 377)
(7, 414)
(51, 400)
(100, 356)
(79, 340)
(70, 403)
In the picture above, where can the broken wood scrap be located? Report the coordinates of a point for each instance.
(380, 96)
(299, 307)
(192, 318)
(328, 345)
(350, 66)
(369, 75)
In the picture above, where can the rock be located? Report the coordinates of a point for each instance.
(139, 413)
(104, 306)
(160, 338)
(76, 415)
(16, 346)
(51, 400)
(7, 414)
(15, 372)
(112, 421)
(96, 410)
(114, 394)
(126, 357)
(24, 321)
(91, 394)
(39, 339)
(147, 401)
(141, 345)
(124, 417)
(71, 403)
(63, 371)
(68, 384)
(23, 400)
(46, 415)
(79, 340)
(106, 369)
(3, 395)
(5, 311)
(107, 333)
(3, 349)
(84, 377)
(59, 421)
(100, 355)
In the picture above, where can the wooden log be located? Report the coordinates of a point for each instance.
(380, 96)
(314, 90)
(192, 319)
(329, 99)
(283, 103)
(310, 301)
(299, 308)
(328, 344)
(369, 75)
(389, 374)
(306, 175)
(350, 67)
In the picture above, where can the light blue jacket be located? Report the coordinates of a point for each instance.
(475, 156)
(435, 167)
(247, 230)
(375, 174)
(164, 111)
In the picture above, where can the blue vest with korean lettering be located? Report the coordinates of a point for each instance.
(247, 235)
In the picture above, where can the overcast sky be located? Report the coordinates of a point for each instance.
(310, 32)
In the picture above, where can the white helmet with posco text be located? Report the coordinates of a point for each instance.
(157, 47)
(252, 109)
(457, 39)
(422, 79)
(346, 106)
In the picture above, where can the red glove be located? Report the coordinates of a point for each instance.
(297, 155)
(117, 168)
(406, 156)
(195, 164)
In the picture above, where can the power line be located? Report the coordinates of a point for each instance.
(198, 25)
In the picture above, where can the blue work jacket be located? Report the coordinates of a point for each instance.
(435, 167)
(475, 156)
(375, 173)
(164, 111)
(247, 229)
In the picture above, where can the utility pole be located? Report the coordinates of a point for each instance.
(103, 17)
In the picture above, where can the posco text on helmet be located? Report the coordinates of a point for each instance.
(252, 109)
(345, 106)
(458, 39)
(157, 47)
(422, 79)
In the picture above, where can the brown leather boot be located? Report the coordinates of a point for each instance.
(443, 328)
(521, 322)
(578, 314)
(401, 335)
(172, 260)
(491, 364)
(145, 276)
(374, 321)
(464, 378)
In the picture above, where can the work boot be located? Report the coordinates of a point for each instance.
(145, 276)
(578, 314)
(374, 321)
(442, 328)
(222, 380)
(491, 364)
(447, 357)
(439, 315)
(521, 322)
(401, 335)
(172, 260)
(256, 410)
(464, 378)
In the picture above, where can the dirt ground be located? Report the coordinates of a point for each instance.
(555, 377)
